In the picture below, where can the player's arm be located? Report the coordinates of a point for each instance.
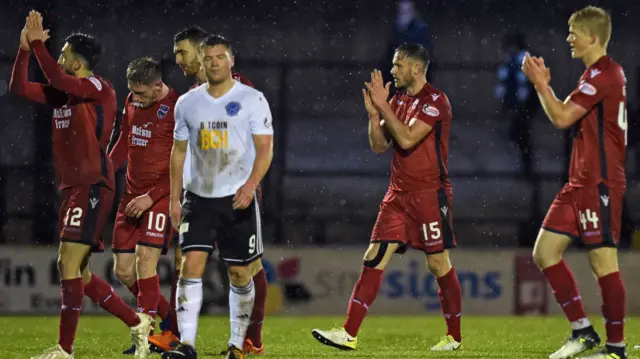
(118, 154)
(178, 154)
(406, 136)
(379, 138)
(32, 91)
(261, 126)
(561, 114)
(80, 87)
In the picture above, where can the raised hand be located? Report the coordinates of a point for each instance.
(368, 103)
(379, 92)
(34, 27)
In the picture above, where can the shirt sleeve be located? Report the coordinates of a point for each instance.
(433, 113)
(88, 88)
(260, 119)
(590, 91)
(181, 130)
(32, 91)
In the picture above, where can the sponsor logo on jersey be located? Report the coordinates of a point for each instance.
(587, 88)
(163, 111)
(233, 108)
(214, 135)
(430, 111)
(140, 135)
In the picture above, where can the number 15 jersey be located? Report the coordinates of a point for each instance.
(600, 137)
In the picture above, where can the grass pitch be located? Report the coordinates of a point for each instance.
(290, 337)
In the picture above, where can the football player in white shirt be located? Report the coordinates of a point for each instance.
(227, 128)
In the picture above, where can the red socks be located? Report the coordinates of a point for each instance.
(72, 292)
(364, 293)
(566, 290)
(450, 294)
(149, 296)
(101, 293)
(173, 318)
(254, 332)
(614, 304)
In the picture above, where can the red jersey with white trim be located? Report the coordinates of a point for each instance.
(425, 165)
(83, 117)
(600, 137)
(146, 139)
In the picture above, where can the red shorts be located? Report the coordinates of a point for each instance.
(592, 214)
(422, 220)
(153, 229)
(83, 213)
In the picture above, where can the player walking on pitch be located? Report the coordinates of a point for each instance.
(416, 211)
(227, 129)
(589, 207)
(83, 116)
(142, 231)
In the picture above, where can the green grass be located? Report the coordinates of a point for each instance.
(290, 337)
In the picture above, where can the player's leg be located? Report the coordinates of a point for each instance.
(253, 341)
(558, 230)
(430, 229)
(196, 244)
(601, 211)
(154, 239)
(387, 237)
(365, 291)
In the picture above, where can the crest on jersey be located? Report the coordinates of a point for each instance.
(163, 111)
(430, 111)
(233, 108)
(587, 88)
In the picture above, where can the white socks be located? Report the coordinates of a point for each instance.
(240, 308)
(189, 302)
(580, 324)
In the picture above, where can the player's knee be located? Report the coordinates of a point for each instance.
(239, 275)
(193, 264)
(147, 261)
(68, 266)
(378, 255)
(256, 266)
(125, 275)
(439, 264)
(603, 261)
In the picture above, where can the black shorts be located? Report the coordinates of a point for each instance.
(208, 223)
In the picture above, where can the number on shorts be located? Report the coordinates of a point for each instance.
(588, 216)
(157, 220)
(252, 244)
(433, 230)
(622, 120)
(76, 214)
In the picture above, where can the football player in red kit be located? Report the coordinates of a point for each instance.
(589, 207)
(142, 231)
(83, 116)
(416, 211)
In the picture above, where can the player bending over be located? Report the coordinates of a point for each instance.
(83, 116)
(226, 127)
(589, 207)
(416, 211)
(142, 231)
(185, 47)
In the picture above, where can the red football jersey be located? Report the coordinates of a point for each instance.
(146, 138)
(425, 165)
(600, 141)
(83, 117)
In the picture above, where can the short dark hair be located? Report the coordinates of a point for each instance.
(144, 71)
(415, 52)
(195, 34)
(216, 40)
(87, 47)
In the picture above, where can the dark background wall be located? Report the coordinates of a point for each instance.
(310, 59)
